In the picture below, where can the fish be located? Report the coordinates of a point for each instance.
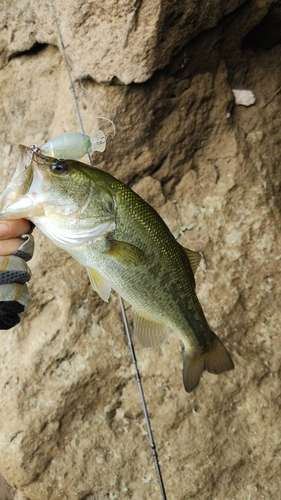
(125, 245)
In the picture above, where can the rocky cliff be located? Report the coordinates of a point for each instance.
(71, 423)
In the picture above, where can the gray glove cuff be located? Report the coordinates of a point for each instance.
(14, 299)
(16, 292)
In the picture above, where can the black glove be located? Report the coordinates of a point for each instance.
(14, 273)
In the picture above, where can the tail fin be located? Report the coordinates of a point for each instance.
(215, 360)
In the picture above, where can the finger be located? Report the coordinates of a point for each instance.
(14, 228)
(7, 247)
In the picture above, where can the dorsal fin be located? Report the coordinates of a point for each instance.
(99, 284)
(150, 334)
(193, 257)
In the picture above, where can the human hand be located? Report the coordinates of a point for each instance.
(9, 232)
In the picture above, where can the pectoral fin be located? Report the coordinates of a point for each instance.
(150, 334)
(126, 254)
(99, 284)
(193, 257)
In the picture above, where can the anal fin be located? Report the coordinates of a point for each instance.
(99, 284)
(149, 333)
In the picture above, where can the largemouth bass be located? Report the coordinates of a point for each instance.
(124, 245)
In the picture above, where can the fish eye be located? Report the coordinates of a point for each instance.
(59, 167)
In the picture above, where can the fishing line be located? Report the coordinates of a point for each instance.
(69, 74)
(144, 407)
(125, 321)
(271, 99)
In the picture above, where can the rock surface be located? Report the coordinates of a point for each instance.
(125, 41)
(71, 424)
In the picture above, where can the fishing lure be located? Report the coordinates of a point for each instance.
(74, 145)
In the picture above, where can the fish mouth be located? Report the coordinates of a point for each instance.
(33, 194)
(18, 199)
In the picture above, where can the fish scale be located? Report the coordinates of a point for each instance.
(176, 264)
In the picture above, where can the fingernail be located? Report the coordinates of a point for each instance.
(4, 230)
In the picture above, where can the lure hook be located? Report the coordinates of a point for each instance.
(113, 125)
